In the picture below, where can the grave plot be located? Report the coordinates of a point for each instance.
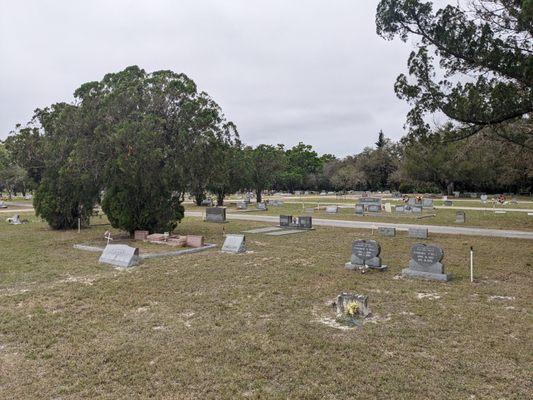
(123, 251)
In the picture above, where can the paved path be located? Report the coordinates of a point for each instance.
(450, 230)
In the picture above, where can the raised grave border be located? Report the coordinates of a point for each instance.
(144, 256)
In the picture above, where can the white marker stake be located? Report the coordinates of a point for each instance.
(79, 225)
(471, 264)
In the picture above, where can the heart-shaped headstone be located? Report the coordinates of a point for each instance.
(365, 249)
(426, 254)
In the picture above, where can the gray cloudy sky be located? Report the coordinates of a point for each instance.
(284, 70)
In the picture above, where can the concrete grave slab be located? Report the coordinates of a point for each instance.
(120, 255)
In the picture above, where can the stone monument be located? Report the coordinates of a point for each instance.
(120, 255)
(365, 255)
(345, 299)
(215, 214)
(234, 244)
(426, 263)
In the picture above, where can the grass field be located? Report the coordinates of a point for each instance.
(478, 219)
(213, 325)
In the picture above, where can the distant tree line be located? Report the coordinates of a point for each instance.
(137, 143)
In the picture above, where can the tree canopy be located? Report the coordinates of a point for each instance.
(473, 63)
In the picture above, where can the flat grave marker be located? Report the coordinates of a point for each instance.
(120, 255)
(418, 233)
(332, 209)
(385, 231)
(234, 244)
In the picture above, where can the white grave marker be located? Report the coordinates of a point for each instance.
(120, 255)
(234, 244)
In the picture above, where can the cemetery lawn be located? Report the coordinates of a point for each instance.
(212, 325)
(477, 219)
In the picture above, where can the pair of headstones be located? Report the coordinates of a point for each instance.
(408, 209)
(425, 262)
(418, 233)
(301, 222)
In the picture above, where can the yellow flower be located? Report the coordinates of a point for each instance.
(351, 308)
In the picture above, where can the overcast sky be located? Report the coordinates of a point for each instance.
(284, 71)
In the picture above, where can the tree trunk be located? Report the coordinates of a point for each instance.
(258, 195)
(220, 199)
(198, 198)
(450, 188)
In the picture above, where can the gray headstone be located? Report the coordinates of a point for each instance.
(426, 263)
(346, 298)
(399, 209)
(385, 231)
(370, 200)
(359, 209)
(460, 217)
(285, 220)
(427, 203)
(332, 209)
(373, 208)
(418, 233)
(120, 255)
(365, 254)
(483, 198)
(234, 244)
(215, 214)
(448, 203)
(207, 203)
(305, 222)
(243, 205)
(416, 209)
(261, 206)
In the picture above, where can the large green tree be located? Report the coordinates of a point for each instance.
(265, 164)
(473, 63)
(301, 161)
(142, 139)
(55, 150)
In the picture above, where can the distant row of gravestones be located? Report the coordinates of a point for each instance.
(425, 262)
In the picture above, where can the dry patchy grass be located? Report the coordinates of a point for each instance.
(213, 325)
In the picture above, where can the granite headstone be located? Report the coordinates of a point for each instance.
(120, 255)
(365, 254)
(215, 214)
(234, 244)
(425, 263)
